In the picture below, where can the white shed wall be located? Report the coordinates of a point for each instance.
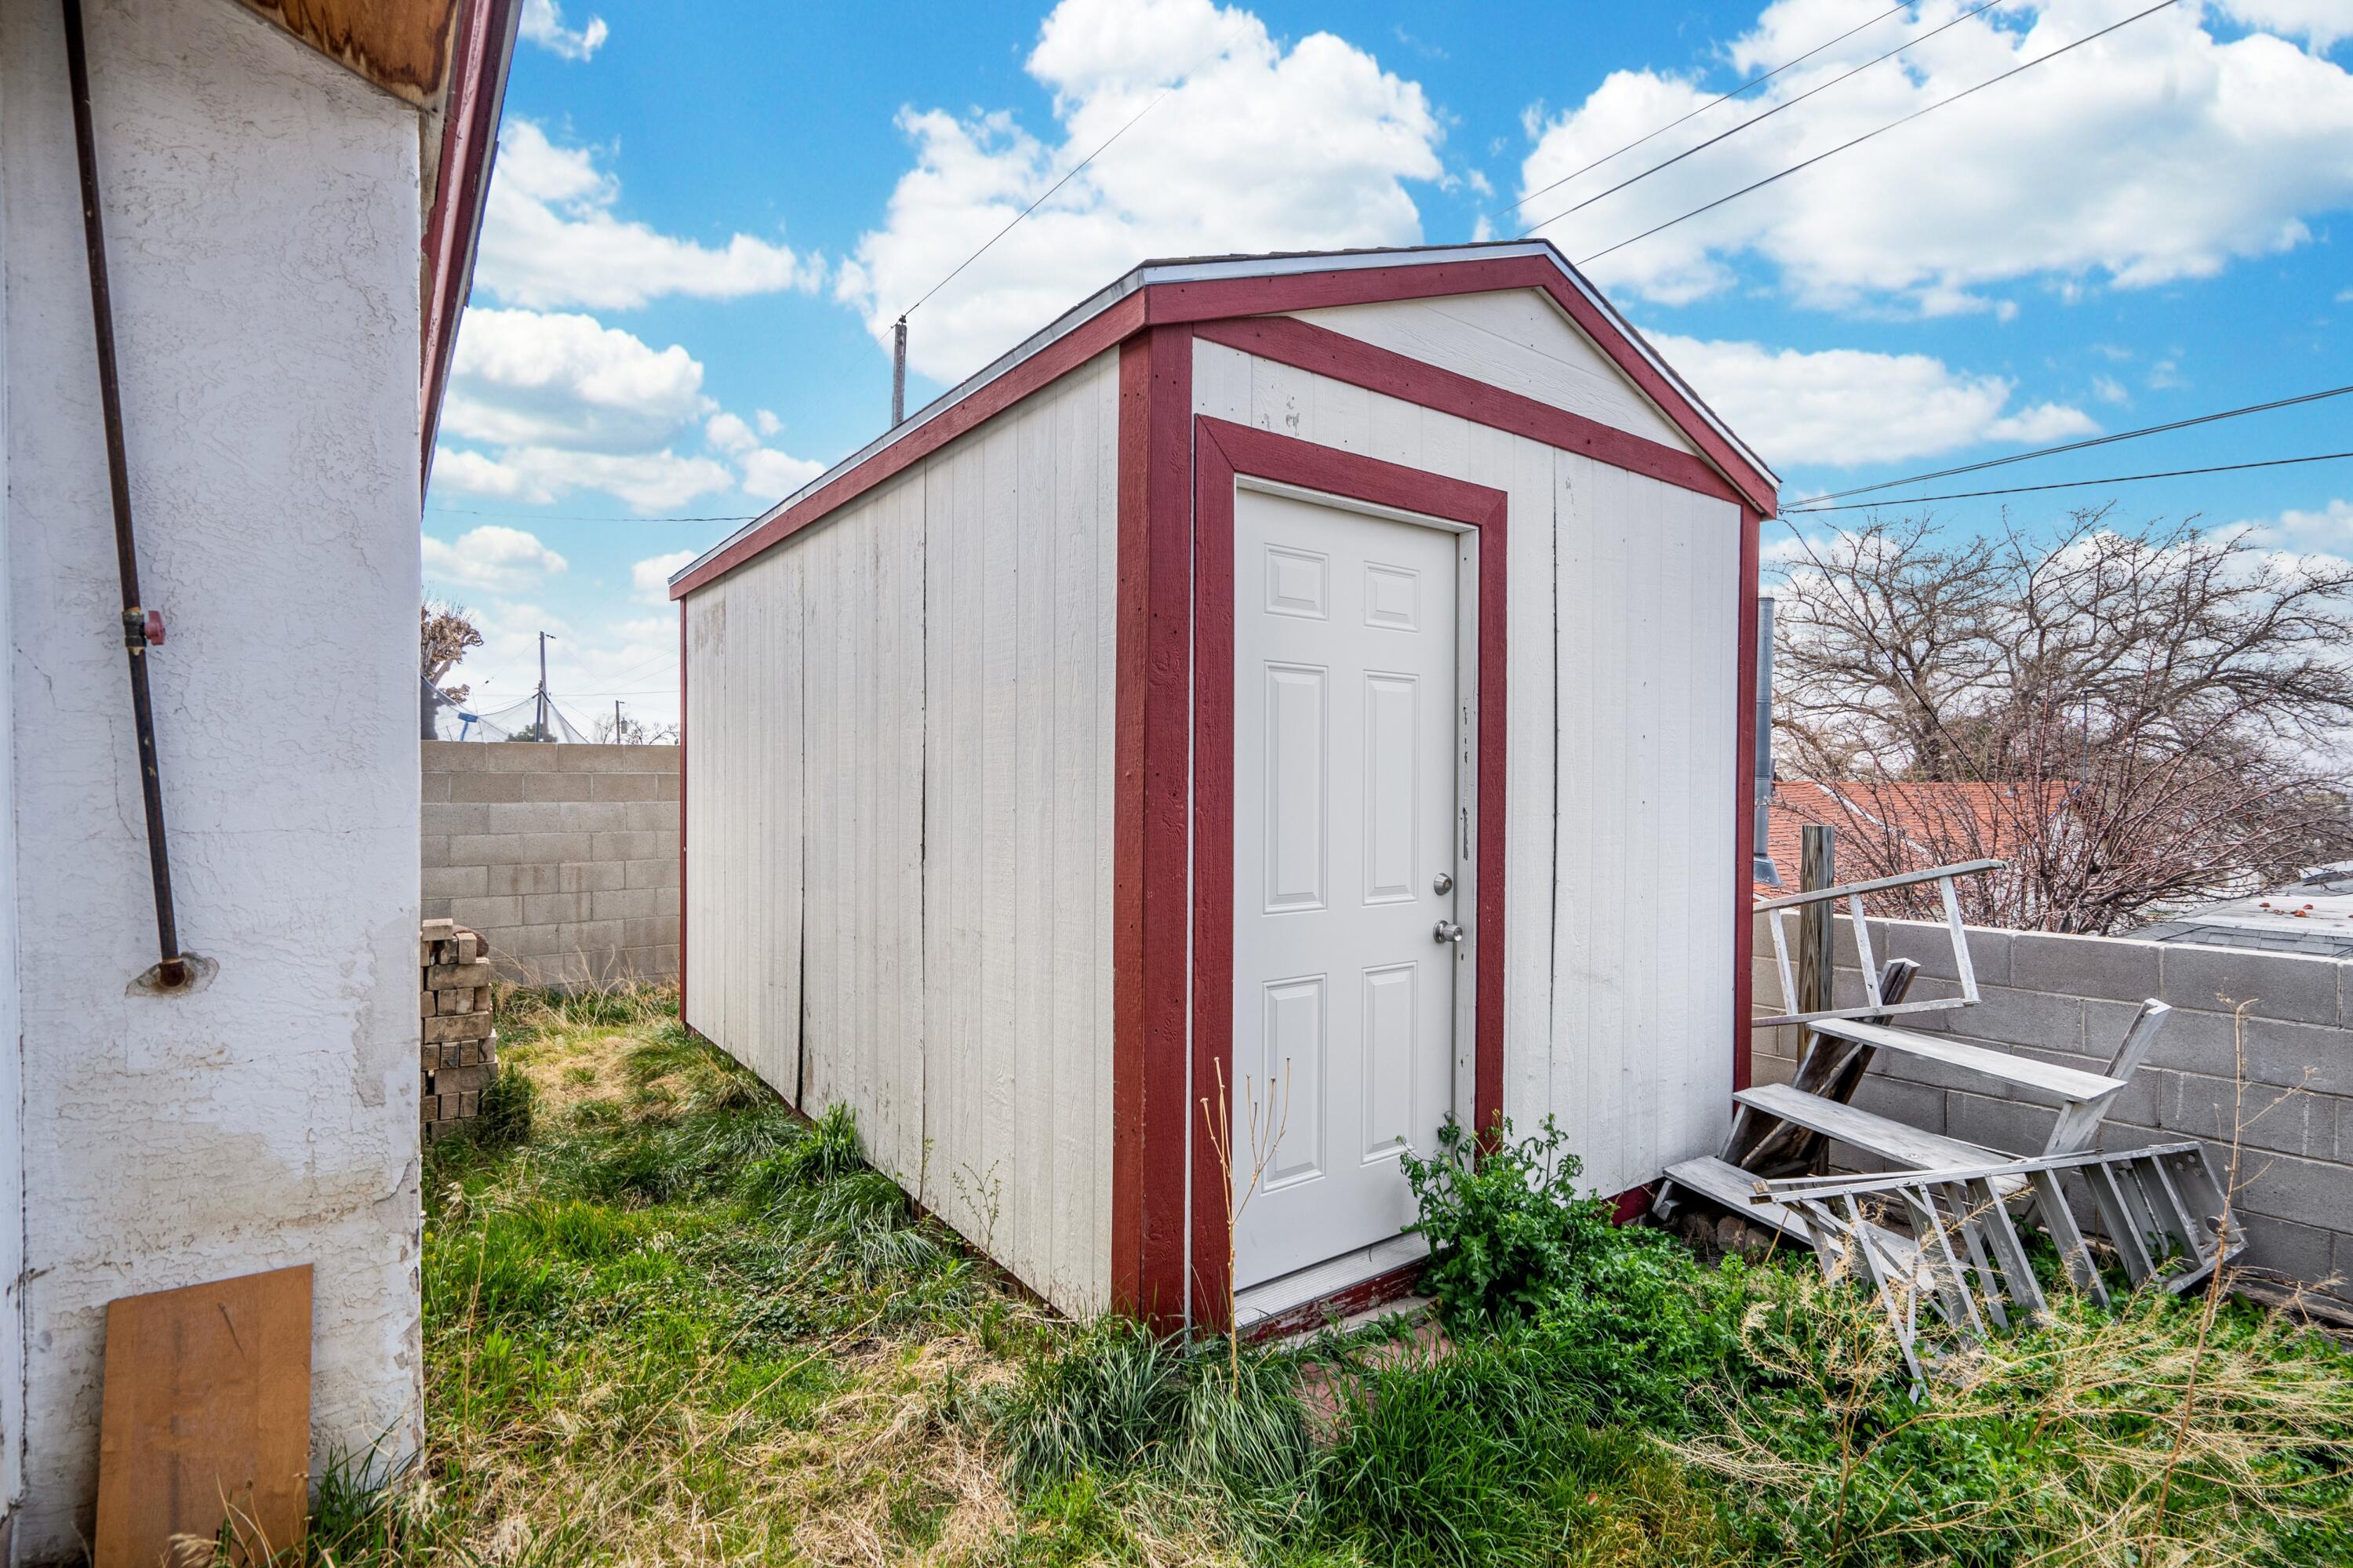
(261, 210)
(1624, 601)
(899, 826)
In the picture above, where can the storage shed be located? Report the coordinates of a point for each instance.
(1326, 676)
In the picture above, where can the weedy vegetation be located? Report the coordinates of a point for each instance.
(668, 1321)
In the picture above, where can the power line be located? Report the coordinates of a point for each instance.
(1704, 108)
(2079, 445)
(2066, 485)
(1175, 82)
(1767, 114)
(1809, 163)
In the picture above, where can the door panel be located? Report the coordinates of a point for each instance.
(1345, 687)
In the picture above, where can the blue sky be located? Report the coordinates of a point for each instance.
(697, 236)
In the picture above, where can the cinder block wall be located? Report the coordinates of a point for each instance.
(2069, 998)
(564, 858)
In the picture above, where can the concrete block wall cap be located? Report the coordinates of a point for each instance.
(2085, 966)
(2290, 986)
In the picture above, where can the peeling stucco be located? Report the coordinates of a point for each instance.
(262, 215)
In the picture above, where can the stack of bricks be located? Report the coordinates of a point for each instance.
(461, 1049)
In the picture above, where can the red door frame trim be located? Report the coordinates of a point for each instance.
(1306, 347)
(1220, 451)
(1150, 854)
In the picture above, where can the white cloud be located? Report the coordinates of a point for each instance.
(542, 24)
(1254, 147)
(523, 376)
(2108, 389)
(2319, 23)
(1842, 406)
(551, 238)
(728, 433)
(650, 577)
(491, 559)
(566, 403)
(2328, 530)
(649, 481)
(767, 422)
(770, 475)
(2158, 152)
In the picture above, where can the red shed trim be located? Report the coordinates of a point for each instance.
(1322, 352)
(1281, 293)
(1150, 852)
(1743, 816)
(1222, 450)
(1161, 293)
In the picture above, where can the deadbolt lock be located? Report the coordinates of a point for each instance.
(1441, 883)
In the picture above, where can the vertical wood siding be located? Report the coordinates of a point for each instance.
(899, 807)
(1624, 621)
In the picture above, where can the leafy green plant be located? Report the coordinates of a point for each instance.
(1504, 1224)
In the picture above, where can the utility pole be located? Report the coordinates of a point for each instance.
(899, 373)
(617, 721)
(543, 685)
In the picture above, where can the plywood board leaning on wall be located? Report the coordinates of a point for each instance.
(206, 1420)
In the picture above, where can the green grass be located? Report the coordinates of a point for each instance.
(667, 1321)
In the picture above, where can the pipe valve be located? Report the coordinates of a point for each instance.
(142, 628)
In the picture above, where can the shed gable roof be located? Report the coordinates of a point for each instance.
(1209, 289)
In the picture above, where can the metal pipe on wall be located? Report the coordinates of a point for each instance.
(141, 628)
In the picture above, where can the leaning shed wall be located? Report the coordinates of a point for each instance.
(899, 825)
(1624, 615)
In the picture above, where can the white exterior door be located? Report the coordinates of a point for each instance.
(1345, 760)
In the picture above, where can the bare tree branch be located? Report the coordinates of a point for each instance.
(2134, 718)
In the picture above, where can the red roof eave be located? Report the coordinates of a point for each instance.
(482, 50)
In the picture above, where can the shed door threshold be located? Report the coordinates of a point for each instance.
(1302, 1288)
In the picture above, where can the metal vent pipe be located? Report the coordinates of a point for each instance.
(141, 627)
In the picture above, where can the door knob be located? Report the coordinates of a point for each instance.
(1447, 931)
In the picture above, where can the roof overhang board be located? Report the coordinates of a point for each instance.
(401, 46)
(1225, 288)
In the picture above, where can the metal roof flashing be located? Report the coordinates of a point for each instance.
(1203, 268)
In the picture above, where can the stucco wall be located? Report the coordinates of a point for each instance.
(11, 1144)
(261, 208)
(2070, 1000)
(564, 858)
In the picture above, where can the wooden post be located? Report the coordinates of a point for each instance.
(1817, 869)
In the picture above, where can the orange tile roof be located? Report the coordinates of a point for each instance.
(1982, 816)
